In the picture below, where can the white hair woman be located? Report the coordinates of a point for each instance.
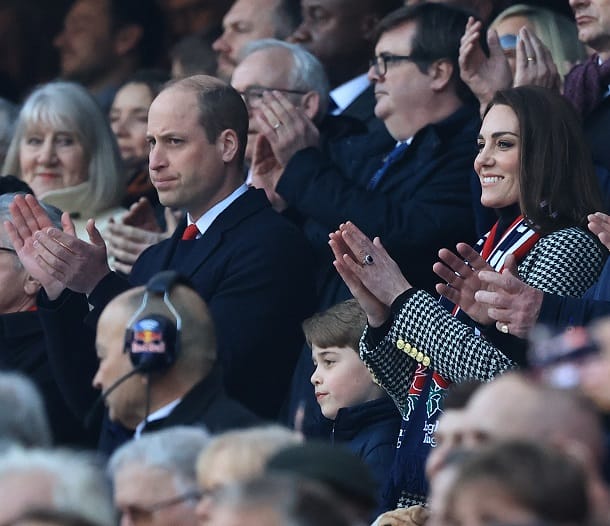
(64, 149)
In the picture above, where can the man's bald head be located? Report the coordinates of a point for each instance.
(221, 107)
(131, 392)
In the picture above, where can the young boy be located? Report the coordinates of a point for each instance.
(364, 418)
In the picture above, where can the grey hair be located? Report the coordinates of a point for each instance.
(68, 106)
(23, 417)
(78, 485)
(307, 72)
(8, 117)
(5, 215)
(175, 449)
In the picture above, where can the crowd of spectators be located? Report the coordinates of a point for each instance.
(304, 262)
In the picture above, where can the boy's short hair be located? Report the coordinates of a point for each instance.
(339, 326)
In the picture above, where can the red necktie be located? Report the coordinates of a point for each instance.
(190, 232)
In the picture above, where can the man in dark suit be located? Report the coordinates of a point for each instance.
(249, 264)
(420, 199)
(103, 42)
(170, 341)
(340, 34)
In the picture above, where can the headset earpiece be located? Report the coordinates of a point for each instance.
(153, 340)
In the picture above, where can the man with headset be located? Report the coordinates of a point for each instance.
(251, 266)
(156, 347)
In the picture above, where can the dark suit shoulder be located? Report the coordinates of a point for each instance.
(363, 109)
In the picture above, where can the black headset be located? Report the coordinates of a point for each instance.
(153, 340)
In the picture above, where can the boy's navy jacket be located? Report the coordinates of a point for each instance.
(370, 430)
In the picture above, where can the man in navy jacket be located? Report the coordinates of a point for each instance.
(417, 204)
(250, 265)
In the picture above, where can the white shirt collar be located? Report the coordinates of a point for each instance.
(345, 94)
(160, 413)
(204, 222)
(607, 93)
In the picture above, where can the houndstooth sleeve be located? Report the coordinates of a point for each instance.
(566, 262)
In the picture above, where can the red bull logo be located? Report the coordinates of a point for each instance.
(147, 337)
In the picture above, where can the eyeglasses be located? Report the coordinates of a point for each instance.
(254, 94)
(380, 62)
(11, 250)
(140, 514)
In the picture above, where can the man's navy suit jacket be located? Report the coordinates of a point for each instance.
(254, 270)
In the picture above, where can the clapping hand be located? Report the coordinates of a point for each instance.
(511, 302)
(599, 224)
(372, 276)
(461, 276)
(483, 74)
(74, 263)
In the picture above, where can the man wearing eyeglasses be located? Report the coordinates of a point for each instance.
(251, 266)
(269, 64)
(419, 200)
(340, 34)
(274, 66)
(154, 478)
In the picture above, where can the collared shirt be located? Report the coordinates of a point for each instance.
(349, 91)
(393, 157)
(204, 222)
(607, 93)
(406, 141)
(159, 414)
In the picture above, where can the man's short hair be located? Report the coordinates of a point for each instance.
(175, 450)
(24, 420)
(195, 55)
(221, 108)
(53, 212)
(340, 326)
(148, 16)
(306, 73)
(545, 481)
(78, 485)
(439, 29)
(5, 215)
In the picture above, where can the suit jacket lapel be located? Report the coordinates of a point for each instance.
(363, 106)
(189, 256)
